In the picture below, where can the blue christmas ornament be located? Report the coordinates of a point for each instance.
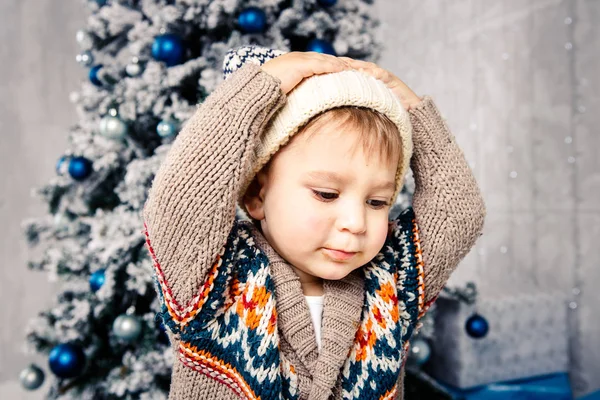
(327, 3)
(66, 360)
(168, 48)
(166, 128)
(93, 75)
(477, 326)
(100, 2)
(97, 280)
(320, 46)
(80, 168)
(252, 20)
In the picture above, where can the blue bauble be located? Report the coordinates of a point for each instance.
(168, 48)
(327, 3)
(477, 326)
(66, 360)
(97, 280)
(100, 2)
(320, 46)
(166, 128)
(252, 20)
(80, 168)
(93, 75)
(60, 164)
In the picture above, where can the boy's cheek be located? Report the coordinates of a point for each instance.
(380, 234)
(312, 222)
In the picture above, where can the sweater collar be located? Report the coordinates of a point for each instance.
(342, 307)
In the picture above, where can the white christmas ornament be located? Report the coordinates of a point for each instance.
(112, 127)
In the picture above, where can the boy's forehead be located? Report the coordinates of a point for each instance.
(323, 148)
(324, 131)
(332, 146)
(335, 161)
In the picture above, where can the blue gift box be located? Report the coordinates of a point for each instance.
(549, 387)
(592, 396)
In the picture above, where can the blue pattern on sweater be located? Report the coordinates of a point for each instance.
(234, 335)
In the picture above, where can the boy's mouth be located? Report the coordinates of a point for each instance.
(338, 255)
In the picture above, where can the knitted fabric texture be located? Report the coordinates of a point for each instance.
(312, 97)
(230, 330)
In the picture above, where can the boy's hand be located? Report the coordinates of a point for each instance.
(407, 97)
(291, 68)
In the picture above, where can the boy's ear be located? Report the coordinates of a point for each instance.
(254, 197)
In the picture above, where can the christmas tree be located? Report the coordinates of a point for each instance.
(150, 62)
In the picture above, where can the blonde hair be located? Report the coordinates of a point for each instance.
(377, 133)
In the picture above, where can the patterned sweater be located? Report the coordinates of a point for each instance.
(235, 312)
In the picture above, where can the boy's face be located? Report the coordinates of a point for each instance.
(323, 203)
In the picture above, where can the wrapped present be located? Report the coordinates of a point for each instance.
(527, 337)
(591, 396)
(550, 387)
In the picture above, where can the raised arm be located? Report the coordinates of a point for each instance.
(191, 206)
(448, 205)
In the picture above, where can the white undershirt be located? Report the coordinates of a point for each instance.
(315, 306)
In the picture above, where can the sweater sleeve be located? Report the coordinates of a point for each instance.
(190, 208)
(447, 202)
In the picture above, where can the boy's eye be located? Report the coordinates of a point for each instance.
(377, 204)
(325, 195)
(328, 196)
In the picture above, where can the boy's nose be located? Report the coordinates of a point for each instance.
(352, 219)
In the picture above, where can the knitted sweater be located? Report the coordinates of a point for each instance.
(235, 312)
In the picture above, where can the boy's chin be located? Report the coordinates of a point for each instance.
(334, 273)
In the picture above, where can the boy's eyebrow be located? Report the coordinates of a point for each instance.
(333, 176)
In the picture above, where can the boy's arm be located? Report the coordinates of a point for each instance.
(448, 205)
(191, 206)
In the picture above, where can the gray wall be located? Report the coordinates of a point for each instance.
(37, 73)
(519, 85)
(511, 88)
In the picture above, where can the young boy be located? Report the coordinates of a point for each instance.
(318, 295)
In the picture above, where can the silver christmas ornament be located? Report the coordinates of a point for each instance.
(166, 128)
(419, 352)
(32, 377)
(127, 327)
(113, 127)
(85, 59)
(61, 222)
(84, 39)
(134, 68)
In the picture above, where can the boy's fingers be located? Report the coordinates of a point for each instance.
(361, 63)
(329, 64)
(329, 57)
(370, 68)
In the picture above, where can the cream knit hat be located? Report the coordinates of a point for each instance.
(315, 95)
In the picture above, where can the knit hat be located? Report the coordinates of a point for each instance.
(313, 96)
